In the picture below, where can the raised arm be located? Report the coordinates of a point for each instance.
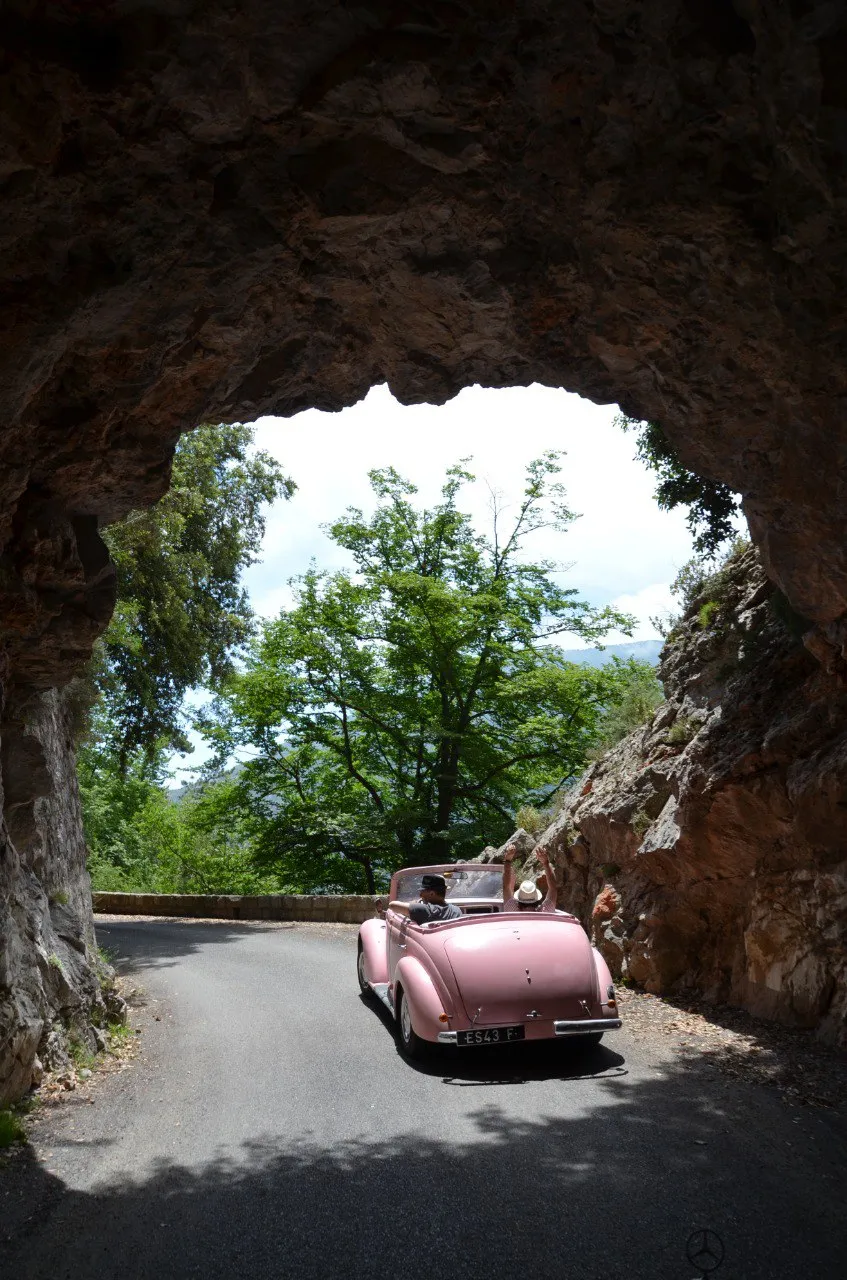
(509, 873)
(552, 892)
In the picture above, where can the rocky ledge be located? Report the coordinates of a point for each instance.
(705, 852)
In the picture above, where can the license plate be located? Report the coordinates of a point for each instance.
(491, 1035)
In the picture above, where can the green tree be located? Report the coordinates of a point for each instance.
(712, 505)
(181, 611)
(120, 807)
(402, 711)
(143, 839)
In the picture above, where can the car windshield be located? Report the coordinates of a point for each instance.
(465, 882)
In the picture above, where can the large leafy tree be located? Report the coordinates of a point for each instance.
(400, 712)
(182, 612)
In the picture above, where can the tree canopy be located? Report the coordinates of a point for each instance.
(400, 711)
(181, 611)
(711, 504)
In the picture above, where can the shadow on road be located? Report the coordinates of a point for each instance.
(511, 1064)
(610, 1193)
(610, 1190)
(158, 943)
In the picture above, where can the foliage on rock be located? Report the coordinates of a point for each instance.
(640, 696)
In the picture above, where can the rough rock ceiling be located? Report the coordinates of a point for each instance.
(218, 209)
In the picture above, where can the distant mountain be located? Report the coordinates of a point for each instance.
(185, 788)
(644, 650)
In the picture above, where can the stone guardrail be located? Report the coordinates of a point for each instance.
(339, 908)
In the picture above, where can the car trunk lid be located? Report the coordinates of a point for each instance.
(512, 970)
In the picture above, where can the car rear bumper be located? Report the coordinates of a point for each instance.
(586, 1026)
(548, 1030)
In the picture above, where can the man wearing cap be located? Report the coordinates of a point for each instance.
(432, 906)
(528, 897)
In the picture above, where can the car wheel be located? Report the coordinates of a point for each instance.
(360, 972)
(411, 1044)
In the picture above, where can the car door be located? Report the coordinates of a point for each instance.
(397, 939)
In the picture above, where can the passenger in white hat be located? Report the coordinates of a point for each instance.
(529, 896)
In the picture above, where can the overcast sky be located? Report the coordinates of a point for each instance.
(623, 550)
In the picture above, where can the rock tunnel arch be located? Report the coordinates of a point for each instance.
(218, 211)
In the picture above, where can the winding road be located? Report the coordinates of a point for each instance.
(269, 1128)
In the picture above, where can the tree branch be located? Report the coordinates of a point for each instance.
(351, 768)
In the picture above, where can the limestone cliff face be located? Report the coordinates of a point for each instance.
(706, 851)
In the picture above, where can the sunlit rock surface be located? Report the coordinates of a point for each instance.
(706, 851)
(219, 210)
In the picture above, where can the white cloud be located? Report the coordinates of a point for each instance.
(650, 602)
(622, 544)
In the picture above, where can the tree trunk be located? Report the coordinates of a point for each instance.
(369, 872)
(448, 778)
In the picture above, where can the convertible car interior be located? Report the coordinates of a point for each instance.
(476, 891)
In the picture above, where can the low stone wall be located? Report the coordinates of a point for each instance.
(341, 908)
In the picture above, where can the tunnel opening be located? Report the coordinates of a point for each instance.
(226, 213)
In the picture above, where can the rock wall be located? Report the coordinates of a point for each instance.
(706, 851)
(49, 985)
(214, 210)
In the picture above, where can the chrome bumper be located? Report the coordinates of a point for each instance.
(586, 1026)
(580, 1027)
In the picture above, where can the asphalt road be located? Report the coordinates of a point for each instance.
(270, 1129)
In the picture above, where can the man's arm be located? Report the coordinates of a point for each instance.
(552, 891)
(402, 908)
(509, 873)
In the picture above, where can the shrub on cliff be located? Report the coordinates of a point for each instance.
(639, 694)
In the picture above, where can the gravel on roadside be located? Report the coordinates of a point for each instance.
(804, 1071)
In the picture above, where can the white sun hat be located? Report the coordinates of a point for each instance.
(529, 892)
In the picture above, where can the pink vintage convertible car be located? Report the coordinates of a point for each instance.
(492, 977)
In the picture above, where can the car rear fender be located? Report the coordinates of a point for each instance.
(425, 1004)
(604, 982)
(372, 940)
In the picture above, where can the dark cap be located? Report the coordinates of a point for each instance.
(435, 882)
